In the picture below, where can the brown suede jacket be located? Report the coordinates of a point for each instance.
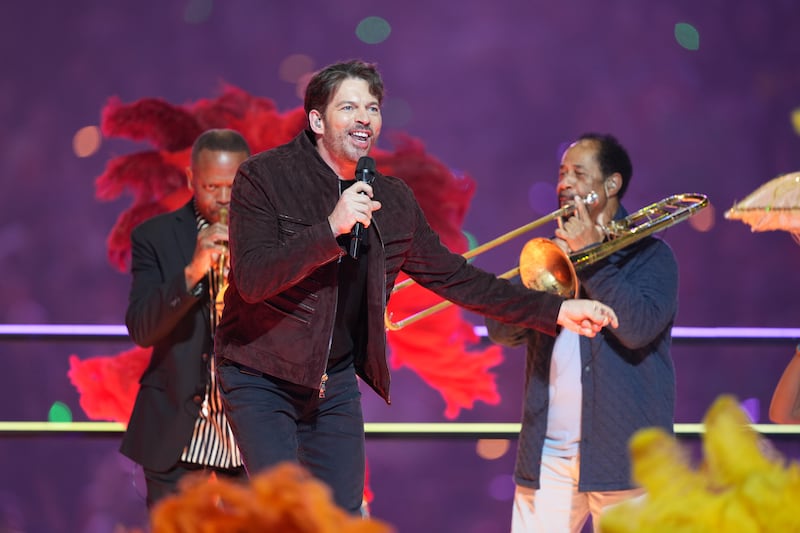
(281, 302)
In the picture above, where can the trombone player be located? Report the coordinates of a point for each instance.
(584, 397)
(177, 426)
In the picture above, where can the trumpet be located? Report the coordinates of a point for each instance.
(218, 275)
(544, 266)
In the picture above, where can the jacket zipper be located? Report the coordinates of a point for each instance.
(324, 379)
(383, 296)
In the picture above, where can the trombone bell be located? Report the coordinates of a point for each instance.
(544, 266)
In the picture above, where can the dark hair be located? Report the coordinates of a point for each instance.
(219, 140)
(324, 83)
(612, 158)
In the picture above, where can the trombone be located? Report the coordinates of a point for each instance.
(565, 211)
(544, 266)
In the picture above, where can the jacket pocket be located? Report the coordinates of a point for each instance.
(290, 226)
(298, 302)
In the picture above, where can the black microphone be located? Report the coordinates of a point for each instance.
(365, 171)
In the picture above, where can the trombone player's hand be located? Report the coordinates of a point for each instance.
(580, 230)
(586, 317)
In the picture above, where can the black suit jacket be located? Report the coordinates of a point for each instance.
(163, 314)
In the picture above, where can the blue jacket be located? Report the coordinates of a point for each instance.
(627, 374)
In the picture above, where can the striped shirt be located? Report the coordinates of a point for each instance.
(212, 442)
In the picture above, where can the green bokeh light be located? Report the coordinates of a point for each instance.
(687, 36)
(59, 412)
(472, 242)
(373, 30)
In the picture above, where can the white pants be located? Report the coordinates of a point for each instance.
(558, 507)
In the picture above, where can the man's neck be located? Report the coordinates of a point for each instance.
(344, 170)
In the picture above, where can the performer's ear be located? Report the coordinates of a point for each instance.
(611, 184)
(315, 121)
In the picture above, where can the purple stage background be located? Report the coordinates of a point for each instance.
(493, 89)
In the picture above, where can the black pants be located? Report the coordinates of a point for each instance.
(162, 484)
(275, 421)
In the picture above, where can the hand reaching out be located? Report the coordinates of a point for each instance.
(586, 317)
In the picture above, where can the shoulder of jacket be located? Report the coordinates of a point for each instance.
(392, 182)
(158, 222)
(274, 158)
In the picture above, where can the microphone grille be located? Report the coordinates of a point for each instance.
(365, 163)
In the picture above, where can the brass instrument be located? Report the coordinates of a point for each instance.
(218, 275)
(564, 211)
(545, 267)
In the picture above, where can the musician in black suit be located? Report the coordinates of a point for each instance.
(177, 425)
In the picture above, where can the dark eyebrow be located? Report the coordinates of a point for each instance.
(350, 102)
